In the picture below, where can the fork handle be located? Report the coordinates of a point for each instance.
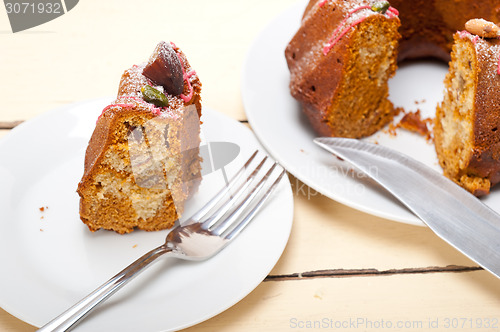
(73, 315)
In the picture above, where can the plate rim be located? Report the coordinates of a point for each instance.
(284, 189)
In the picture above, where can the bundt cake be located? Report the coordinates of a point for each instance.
(342, 55)
(340, 61)
(467, 123)
(427, 26)
(142, 161)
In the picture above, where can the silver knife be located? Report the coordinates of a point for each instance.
(451, 212)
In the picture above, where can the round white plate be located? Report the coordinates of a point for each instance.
(50, 259)
(285, 132)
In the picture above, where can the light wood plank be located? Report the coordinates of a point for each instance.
(367, 301)
(3, 132)
(409, 299)
(9, 323)
(327, 235)
(68, 59)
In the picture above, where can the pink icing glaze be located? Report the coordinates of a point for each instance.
(332, 41)
(114, 105)
(156, 111)
(393, 11)
(186, 78)
(330, 44)
(498, 66)
(336, 36)
(134, 98)
(463, 33)
(322, 3)
(498, 63)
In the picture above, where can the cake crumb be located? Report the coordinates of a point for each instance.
(397, 110)
(134, 246)
(412, 121)
(392, 129)
(42, 209)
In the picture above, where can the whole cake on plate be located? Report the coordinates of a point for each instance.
(467, 123)
(142, 161)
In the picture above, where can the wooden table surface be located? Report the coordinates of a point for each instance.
(341, 268)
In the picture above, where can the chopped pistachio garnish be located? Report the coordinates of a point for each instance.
(381, 6)
(154, 96)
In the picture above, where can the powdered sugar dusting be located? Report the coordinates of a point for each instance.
(141, 104)
(487, 50)
(133, 80)
(130, 90)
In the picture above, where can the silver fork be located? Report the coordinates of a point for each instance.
(202, 236)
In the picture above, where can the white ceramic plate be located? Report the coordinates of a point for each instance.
(50, 260)
(279, 124)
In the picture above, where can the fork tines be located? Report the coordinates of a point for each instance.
(234, 206)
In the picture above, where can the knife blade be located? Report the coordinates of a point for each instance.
(454, 214)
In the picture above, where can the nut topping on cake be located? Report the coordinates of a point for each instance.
(154, 96)
(482, 28)
(164, 68)
(381, 7)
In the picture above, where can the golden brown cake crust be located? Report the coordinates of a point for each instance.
(427, 26)
(477, 168)
(485, 159)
